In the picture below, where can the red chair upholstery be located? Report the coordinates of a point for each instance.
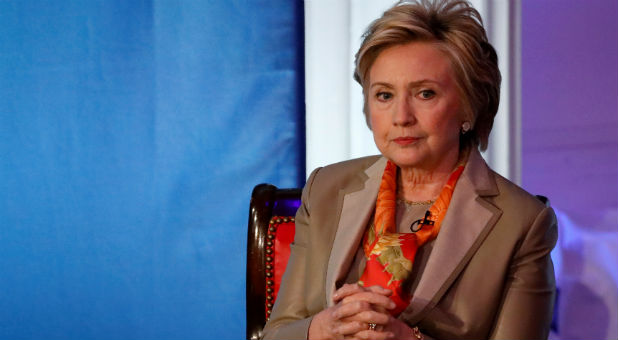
(271, 231)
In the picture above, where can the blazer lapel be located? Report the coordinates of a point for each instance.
(468, 220)
(355, 213)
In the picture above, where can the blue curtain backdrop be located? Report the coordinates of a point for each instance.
(131, 135)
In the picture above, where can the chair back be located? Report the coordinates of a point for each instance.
(271, 231)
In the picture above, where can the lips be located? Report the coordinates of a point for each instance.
(405, 140)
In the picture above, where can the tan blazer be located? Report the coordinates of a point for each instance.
(489, 274)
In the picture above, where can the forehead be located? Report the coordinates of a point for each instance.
(413, 61)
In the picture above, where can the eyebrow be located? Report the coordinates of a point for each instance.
(412, 84)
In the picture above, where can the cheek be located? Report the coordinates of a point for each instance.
(378, 130)
(377, 125)
(450, 131)
(378, 117)
(372, 122)
(451, 119)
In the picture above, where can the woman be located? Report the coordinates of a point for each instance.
(424, 241)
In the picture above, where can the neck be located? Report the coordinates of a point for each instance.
(418, 184)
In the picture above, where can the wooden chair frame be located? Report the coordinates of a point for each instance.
(266, 201)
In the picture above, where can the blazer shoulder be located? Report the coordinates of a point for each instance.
(338, 174)
(324, 183)
(516, 192)
(515, 199)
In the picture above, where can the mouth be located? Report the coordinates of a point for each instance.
(405, 140)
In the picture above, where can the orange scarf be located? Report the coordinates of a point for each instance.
(389, 254)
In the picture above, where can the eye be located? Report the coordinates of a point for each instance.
(427, 94)
(384, 96)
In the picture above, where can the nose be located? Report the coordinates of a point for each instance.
(404, 112)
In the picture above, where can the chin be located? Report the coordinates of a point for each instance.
(405, 161)
(404, 157)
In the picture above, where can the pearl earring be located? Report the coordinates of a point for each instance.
(465, 127)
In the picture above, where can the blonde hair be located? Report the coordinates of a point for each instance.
(457, 29)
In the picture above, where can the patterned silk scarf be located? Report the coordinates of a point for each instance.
(389, 254)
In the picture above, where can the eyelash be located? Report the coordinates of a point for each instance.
(430, 92)
(381, 95)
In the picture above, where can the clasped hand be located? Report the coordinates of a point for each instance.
(355, 308)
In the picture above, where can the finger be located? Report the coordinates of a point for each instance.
(377, 335)
(351, 309)
(323, 324)
(371, 316)
(378, 300)
(351, 327)
(380, 290)
(347, 290)
(367, 317)
(353, 288)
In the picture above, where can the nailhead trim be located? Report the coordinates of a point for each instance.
(270, 259)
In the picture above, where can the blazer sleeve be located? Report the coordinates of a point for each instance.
(289, 318)
(528, 299)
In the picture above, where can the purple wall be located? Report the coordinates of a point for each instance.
(570, 104)
(570, 152)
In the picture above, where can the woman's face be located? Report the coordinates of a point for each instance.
(414, 106)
